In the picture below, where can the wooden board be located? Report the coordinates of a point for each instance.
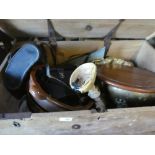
(81, 28)
(68, 49)
(126, 49)
(117, 121)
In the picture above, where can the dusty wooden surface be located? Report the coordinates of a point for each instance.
(146, 56)
(131, 28)
(117, 121)
(126, 49)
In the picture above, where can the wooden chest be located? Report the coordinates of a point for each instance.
(80, 36)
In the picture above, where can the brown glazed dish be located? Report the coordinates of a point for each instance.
(40, 100)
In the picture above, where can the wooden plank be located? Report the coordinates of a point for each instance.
(146, 56)
(126, 49)
(68, 49)
(117, 121)
(80, 28)
(8, 103)
(128, 29)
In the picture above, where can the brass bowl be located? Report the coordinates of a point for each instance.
(127, 86)
(121, 98)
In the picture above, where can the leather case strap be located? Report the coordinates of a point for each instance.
(108, 37)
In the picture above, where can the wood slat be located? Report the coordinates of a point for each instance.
(117, 121)
(68, 49)
(126, 49)
(75, 28)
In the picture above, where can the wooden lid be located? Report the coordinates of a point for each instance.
(128, 78)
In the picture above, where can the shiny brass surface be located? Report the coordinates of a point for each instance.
(127, 86)
(122, 98)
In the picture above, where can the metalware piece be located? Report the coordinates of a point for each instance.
(128, 86)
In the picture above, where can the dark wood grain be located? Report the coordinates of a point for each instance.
(128, 78)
